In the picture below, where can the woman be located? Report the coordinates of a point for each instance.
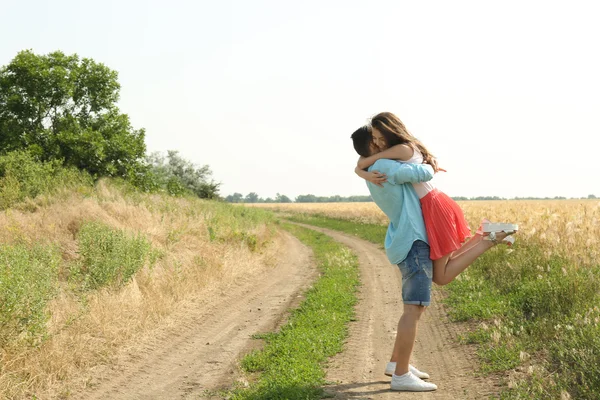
(452, 247)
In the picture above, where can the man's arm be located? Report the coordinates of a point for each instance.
(399, 173)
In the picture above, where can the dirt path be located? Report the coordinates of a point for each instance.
(359, 369)
(201, 350)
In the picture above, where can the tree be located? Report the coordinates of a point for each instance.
(306, 198)
(591, 196)
(281, 198)
(251, 197)
(235, 198)
(61, 107)
(178, 175)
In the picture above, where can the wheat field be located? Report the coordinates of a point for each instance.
(568, 228)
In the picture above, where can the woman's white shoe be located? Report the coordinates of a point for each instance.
(488, 227)
(508, 240)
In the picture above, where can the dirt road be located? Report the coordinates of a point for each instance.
(359, 369)
(201, 352)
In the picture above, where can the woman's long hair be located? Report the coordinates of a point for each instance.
(394, 132)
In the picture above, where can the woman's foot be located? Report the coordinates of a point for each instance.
(500, 237)
(498, 232)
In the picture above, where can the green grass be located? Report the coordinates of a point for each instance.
(531, 310)
(291, 364)
(23, 177)
(28, 280)
(542, 305)
(109, 257)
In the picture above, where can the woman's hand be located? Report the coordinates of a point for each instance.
(375, 177)
(434, 164)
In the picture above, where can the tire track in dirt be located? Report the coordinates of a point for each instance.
(201, 350)
(358, 370)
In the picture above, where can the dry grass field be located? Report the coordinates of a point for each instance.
(203, 248)
(569, 228)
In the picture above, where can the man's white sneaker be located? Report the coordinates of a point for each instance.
(391, 367)
(410, 383)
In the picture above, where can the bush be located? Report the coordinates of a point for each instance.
(109, 257)
(176, 176)
(28, 280)
(22, 176)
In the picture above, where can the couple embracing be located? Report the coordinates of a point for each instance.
(428, 237)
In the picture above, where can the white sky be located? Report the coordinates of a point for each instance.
(506, 94)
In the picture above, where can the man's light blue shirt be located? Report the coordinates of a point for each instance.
(399, 201)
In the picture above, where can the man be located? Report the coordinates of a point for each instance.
(406, 246)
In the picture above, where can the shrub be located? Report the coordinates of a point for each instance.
(28, 280)
(22, 176)
(109, 257)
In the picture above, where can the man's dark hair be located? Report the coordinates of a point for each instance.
(362, 141)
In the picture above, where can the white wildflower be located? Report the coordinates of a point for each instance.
(564, 395)
(496, 336)
(530, 370)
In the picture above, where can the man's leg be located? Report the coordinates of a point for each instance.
(417, 273)
(405, 337)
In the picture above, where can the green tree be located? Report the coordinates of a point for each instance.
(281, 198)
(235, 198)
(179, 175)
(251, 197)
(306, 198)
(62, 107)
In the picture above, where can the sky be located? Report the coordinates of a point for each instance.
(267, 93)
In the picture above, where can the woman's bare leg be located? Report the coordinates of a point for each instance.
(447, 268)
(473, 240)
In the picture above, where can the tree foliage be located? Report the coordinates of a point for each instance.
(178, 176)
(251, 197)
(61, 107)
(235, 198)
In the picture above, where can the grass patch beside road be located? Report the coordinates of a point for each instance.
(290, 365)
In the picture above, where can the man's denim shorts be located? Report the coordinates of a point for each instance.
(417, 273)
